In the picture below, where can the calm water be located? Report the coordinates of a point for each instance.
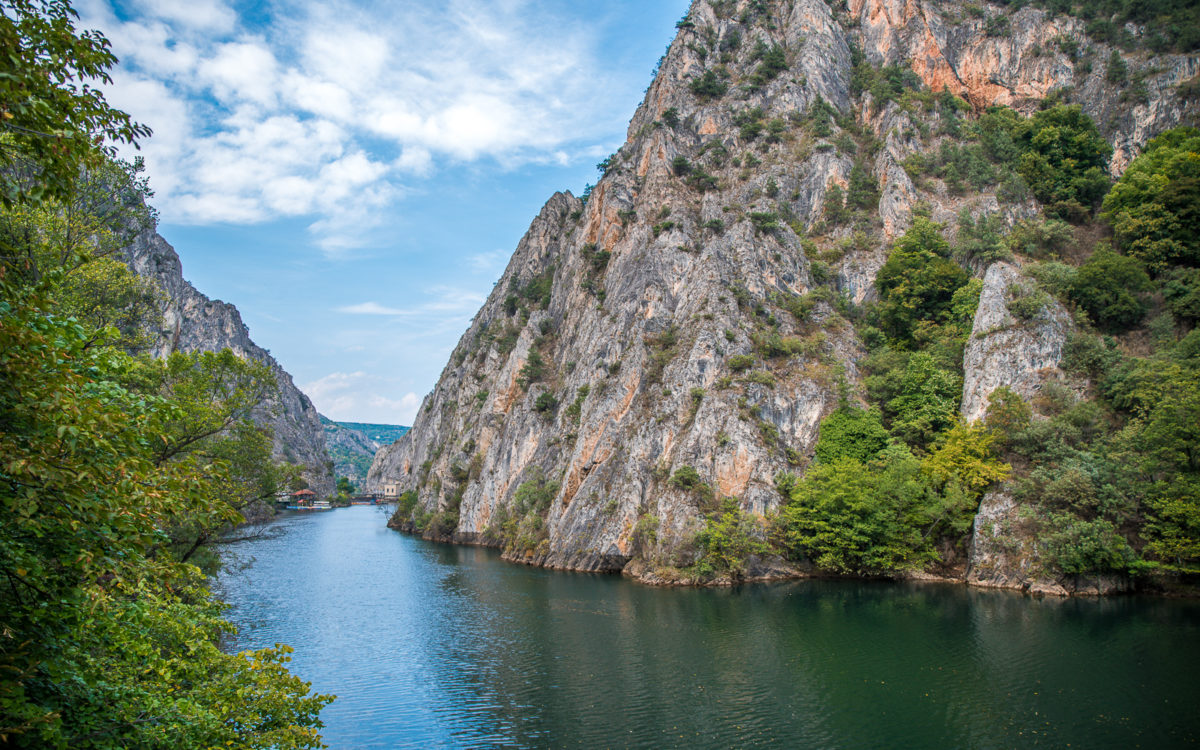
(438, 646)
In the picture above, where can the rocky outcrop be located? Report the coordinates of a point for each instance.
(1006, 352)
(1004, 554)
(193, 322)
(624, 341)
(992, 56)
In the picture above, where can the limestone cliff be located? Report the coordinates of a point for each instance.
(193, 322)
(620, 344)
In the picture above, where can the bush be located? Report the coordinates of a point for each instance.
(1110, 287)
(533, 370)
(851, 432)
(730, 536)
(1155, 206)
(546, 404)
(739, 362)
(1044, 238)
(708, 86)
(764, 221)
(1026, 303)
(686, 478)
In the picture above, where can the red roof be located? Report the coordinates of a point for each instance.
(304, 493)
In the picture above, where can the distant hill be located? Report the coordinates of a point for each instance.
(384, 434)
(352, 445)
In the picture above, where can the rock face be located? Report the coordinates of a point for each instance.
(193, 322)
(1004, 351)
(628, 314)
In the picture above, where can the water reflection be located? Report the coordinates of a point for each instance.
(433, 645)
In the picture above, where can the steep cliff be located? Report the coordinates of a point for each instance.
(193, 322)
(679, 336)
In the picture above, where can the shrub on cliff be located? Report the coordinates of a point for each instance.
(918, 281)
(1063, 158)
(1155, 207)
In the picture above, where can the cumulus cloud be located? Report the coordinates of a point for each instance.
(326, 109)
(354, 396)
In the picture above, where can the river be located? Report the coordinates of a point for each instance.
(430, 645)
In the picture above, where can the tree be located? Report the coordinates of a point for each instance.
(1063, 157)
(52, 119)
(926, 401)
(850, 432)
(918, 281)
(107, 637)
(1110, 287)
(1155, 207)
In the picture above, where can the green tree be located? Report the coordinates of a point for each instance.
(1155, 207)
(1063, 158)
(1111, 288)
(53, 119)
(853, 517)
(918, 281)
(851, 432)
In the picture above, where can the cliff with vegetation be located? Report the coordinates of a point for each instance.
(191, 322)
(846, 301)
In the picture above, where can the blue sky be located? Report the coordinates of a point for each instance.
(354, 175)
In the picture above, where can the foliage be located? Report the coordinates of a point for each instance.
(546, 404)
(533, 370)
(1170, 25)
(708, 86)
(406, 503)
(868, 518)
(1063, 157)
(1110, 287)
(851, 432)
(118, 471)
(773, 62)
(925, 401)
(918, 281)
(1042, 239)
(739, 362)
(93, 505)
(964, 456)
(53, 118)
(1155, 207)
(730, 536)
(686, 478)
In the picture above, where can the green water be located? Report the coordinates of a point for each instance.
(441, 646)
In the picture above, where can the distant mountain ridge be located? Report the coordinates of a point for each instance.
(352, 445)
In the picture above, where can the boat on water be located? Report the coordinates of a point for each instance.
(314, 505)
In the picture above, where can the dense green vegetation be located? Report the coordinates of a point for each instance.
(1109, 480)
(120, 472)
(384, 434)
(893, 486)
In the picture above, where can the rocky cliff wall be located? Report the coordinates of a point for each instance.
(193, 322)
(701, 228)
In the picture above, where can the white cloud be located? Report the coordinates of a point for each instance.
(325, 110)
(354, 396)
(370, 308)
(448, 302)
(208, 15)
